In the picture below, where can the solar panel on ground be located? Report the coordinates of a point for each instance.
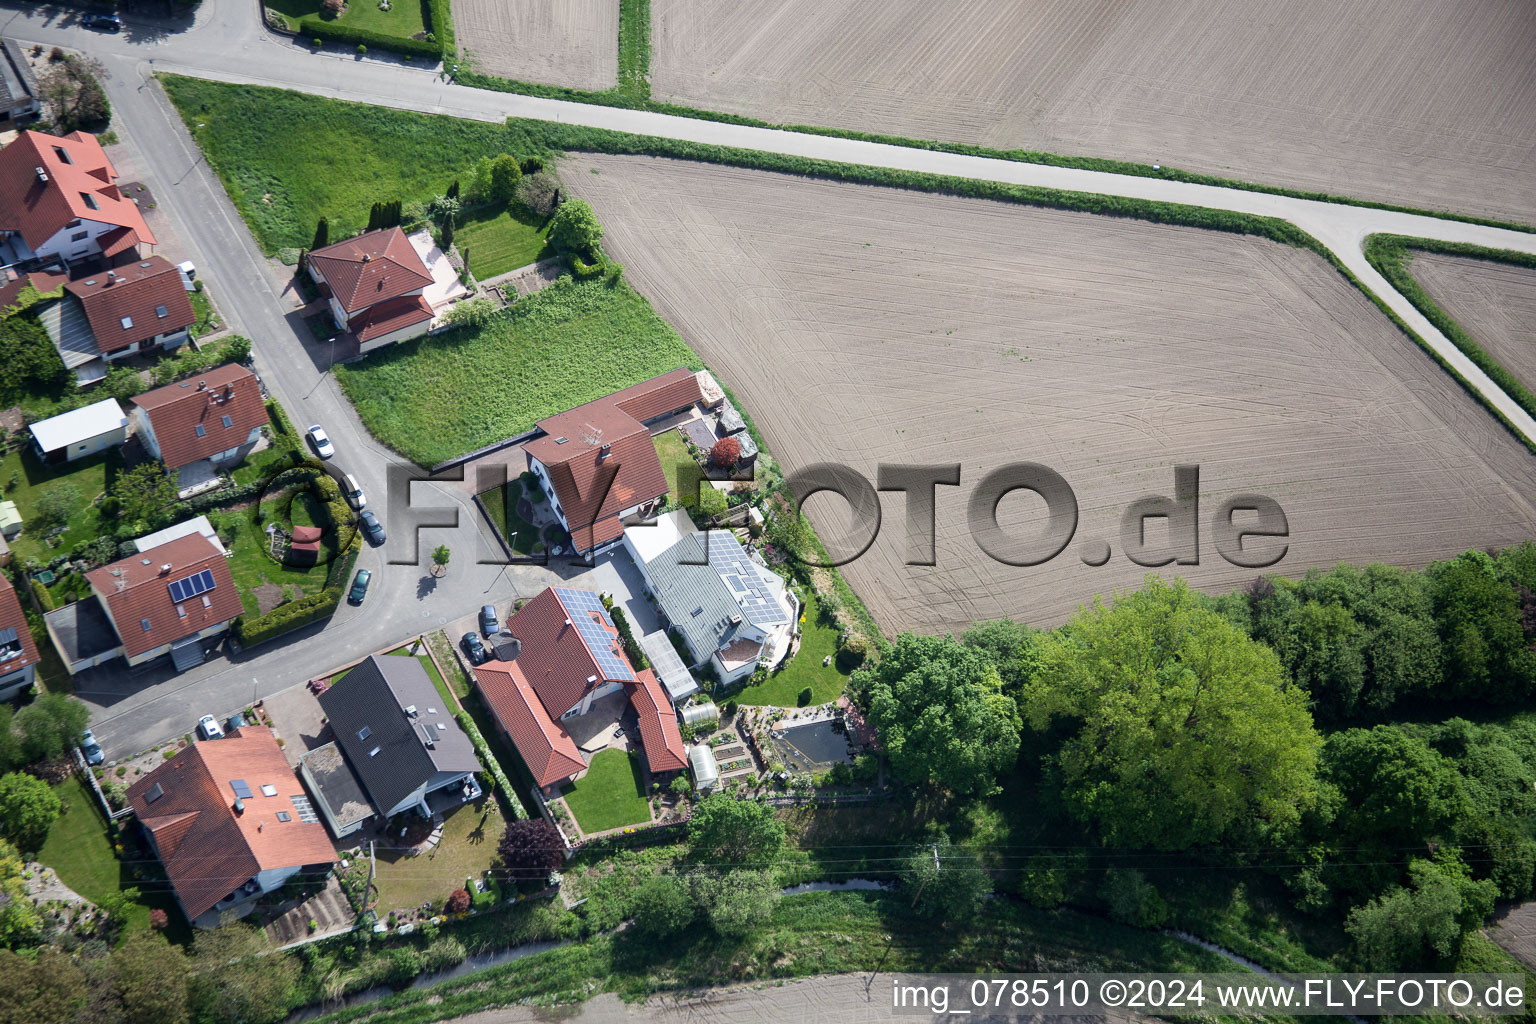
(582, 604)
(197, 583)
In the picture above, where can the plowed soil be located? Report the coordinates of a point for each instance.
(1494, 302)
(1417, 102)
(864, 325)
(574, 43)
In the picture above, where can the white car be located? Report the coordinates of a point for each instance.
(353, 491)
(209, 727)
(323, 446)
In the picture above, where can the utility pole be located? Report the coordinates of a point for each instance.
(887, 952)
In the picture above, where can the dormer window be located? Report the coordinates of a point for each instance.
(62, 154)
(90, 201)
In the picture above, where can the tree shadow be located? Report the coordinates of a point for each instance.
(425, 586)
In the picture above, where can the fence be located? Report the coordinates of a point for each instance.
(90, 777)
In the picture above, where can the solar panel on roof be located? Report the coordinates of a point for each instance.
(198, 583)
(241, 788)
(583, 604)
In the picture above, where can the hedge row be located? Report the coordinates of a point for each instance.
(627, 637)
(492, 766)
(286, 617)
(281, 424)
(318, 28)
(1390, 255)
(442, 27)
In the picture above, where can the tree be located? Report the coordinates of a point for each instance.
(43, 989)
(575, 228)
(726, 452)
(458, 902)
(10, 743)
(143, 491)
(54, 507)
(539, 192)
(333, 8)
(149, 976)
(29, 364)
(1324, 649)
(738, 902)
(453, 189)
(531, 848)
(1422, 925)
(1011, 647)
(237, 979)
(1132, 899)
(440, 555)
(322, 234)
(940, 712)
(71, 89)
(726, 829)
(663, 906)
(239, 350)
(49, 725)
(1183, 726)
(504, 176)
(28, 809)
(946, 882)
(444, 208)
(1487, 654)
(18, 918)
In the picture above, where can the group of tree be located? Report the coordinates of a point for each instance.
(380, 215)
(43, 730)
(71, 90)
(29, 364)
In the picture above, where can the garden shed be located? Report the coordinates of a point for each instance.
(698, 714)
(705, 770)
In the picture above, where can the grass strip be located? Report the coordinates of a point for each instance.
(1392, 256)
(622, 97)
(635, 48)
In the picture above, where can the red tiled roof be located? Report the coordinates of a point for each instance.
(117, 241)
(306, 534)
(134, 591)
(135, 293)
(370, 268)
(555, 658)
(12, 617)
(544, 745)
(592, 489)
(177, 410)
(39, 209)
(209, 851)
(389, 316)
(659, 735)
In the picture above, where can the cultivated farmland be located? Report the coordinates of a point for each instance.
(573, 43)
(865, 325)
(1494, 302)
(1407, 101)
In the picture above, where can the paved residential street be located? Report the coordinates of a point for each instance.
(226, 41)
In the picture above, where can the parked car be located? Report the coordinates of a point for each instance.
(372, 528)
(322, 443)
(352, 491)
(105, 22)
(90, 748)
(208, 726)
(360, 586)
(488, 623)
(474, 649)
(236, 721)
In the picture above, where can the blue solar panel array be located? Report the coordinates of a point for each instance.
(190, 587)
(743, 578)
(241, 787)
(581, 604)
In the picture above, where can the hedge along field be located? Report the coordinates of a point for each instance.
(336, 158)
(436, 397)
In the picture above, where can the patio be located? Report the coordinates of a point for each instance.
(594, 731)
(298, 718)
(445, 287)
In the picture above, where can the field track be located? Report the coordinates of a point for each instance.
(866, 325)
(1417, 102)
(573, 43)
(1494, 302)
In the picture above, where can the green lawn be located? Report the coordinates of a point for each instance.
(79, 849)
(609, 795)
(250, 566)
(335, 160)
(782, 688)
(467, 849)
(203, 308)
(501, 503)
(501, 238)
(405, 18)
(433, 398)
(682, 472)
(24, 480)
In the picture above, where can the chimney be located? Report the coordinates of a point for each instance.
(604, 452)
(165, 568)
(42, 175)
(567, 622)
(111, 278)
(202, 385)
(367, 257)
(239, 806)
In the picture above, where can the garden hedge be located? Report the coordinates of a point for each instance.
(286, 617)
(318, 28)
(492, 766)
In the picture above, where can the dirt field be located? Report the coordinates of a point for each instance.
(867, 325)
(574, 43)
(1495, 302)
(1410, 101)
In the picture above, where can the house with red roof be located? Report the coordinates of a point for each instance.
(170, 599)
(59, 198)
(598, 464)
(568, 657)
(376, 287)
(229, 821)
(202, 424)
(18, 653)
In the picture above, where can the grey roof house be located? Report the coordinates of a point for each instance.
(400, 738)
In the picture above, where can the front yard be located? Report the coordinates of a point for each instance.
(609, 795)
(432, 398)
(501, 503)
(681, 469)
(496, 239)
(405, 19)
(818, 639)
(253, 571)
(467, 850)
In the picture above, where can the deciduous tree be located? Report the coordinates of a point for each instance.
(28, 809)
(504, 176)
(726, 829)
(575, 228)
(49, 725)
(143, 491)
(737, 902)
(945, 882)
(149, 976)
(663, 906)
(530, 848)
(725, 452)
(236, 977)
(1421, 925)
(43, 989)
(18, 918)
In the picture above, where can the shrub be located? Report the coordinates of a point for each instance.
(492, 766)
(726, 452)
(286, 617)
(316, 43)
(804, 697)
(158, 919)
(852, 649)
(538, 191)
(505, 175)
(458, 901)
(711, 501)
(575, 228)
(362, 48)
(1132, 899)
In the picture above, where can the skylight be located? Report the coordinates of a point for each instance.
(284, 816)
(375, 751)
(364, 733)
(227, 422)
(127, 323)
(201, 431)
(162, 312)
(144, 623)
(268, 790)
(90, 201)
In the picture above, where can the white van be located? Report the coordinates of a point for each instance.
(352, 491)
